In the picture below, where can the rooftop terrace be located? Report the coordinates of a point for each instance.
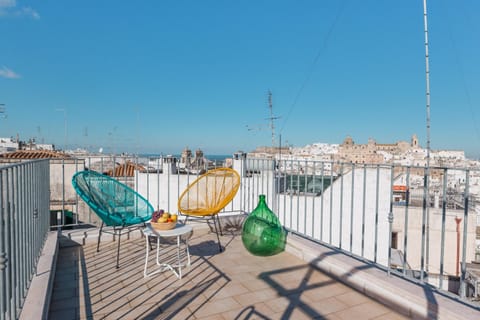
(329, 270)
(307, 281)
(229, 285)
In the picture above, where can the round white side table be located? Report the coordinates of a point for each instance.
(179, 231)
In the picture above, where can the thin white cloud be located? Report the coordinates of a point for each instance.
(7, 73)
(28, 11)
(9, 7)
(7, 3)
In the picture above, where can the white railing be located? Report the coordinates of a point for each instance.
(416, 222)
(24, 224)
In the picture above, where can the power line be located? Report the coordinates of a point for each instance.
(315, 60)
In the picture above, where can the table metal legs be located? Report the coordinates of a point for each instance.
(162, 266)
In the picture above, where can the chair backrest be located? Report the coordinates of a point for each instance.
(210, 192)
(114, 202)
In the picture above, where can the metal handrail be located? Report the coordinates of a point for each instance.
(24, 225)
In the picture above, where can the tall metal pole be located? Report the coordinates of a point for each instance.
(427, 171)
(272, 126)
(427, 76)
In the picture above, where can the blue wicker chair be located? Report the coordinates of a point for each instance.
(115, 203)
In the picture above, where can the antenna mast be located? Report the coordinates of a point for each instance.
(272, 117)
(2, 110)
(427, 76)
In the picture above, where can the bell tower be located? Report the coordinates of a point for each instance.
(414, 143)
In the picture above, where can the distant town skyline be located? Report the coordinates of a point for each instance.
(365, 148)
(156, 77)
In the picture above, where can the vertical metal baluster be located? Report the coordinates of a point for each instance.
(405, 237)
(248, 187)
(321, 200)
(63, 195)
(390, 221)
(30, 262)
(17, 239)
(265, 179)
(157, 172)
(314, 197)
(298, 196)
(256, 187)
(275, 189)
(77, 198)
(21, 199)
(377, 195)
(284, 191)
(3, 254)
(268, 180)
(331, 206)
(465, 229)
(424, 224)
(363, 207)
(30, 179)
(444, 213)
(10, 250)
(76, 220)
(351, 208)
(341, 202)
(45, 203)
(290, 193)
(305, 198)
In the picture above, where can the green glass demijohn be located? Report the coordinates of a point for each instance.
(262, 233)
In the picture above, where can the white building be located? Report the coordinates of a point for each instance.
(8, 144)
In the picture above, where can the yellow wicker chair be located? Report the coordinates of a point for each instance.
(208, 195)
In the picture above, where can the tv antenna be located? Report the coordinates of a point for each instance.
(272, 119)
(2, 111)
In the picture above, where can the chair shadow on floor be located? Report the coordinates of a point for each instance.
(250, 313)
(208, 281)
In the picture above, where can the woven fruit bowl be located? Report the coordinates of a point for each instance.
(163, 225)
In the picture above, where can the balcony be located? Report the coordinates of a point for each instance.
(355, 247)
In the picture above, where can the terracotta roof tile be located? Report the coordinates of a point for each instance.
(125, 170)
(34, 154)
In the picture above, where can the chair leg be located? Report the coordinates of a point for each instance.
(99, 235)
(219, 225)
(216, 231)
(118, 247)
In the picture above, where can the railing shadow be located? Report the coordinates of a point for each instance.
(293, 295)
(72, 268)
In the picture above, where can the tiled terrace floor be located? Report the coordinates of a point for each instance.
(229, 285)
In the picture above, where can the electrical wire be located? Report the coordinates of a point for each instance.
(320, 51)
(461, 69)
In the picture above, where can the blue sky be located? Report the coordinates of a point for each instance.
(157, 76)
